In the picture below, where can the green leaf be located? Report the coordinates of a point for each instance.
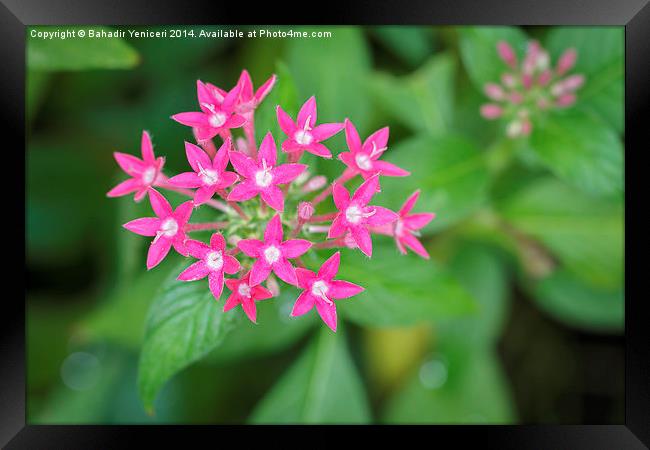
(184, 324)
(575, 304)
(600, 58)
(275, 330)
(585, 233)
(400, 290)
(411, 44)
(580, 149)
(322, 386)
(335, 71)
(457, 385)
(478, 50)
(79, 53)
(449, 170)
(423, 100)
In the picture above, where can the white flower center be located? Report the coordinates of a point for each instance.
(363, 161)
(263, 178)
(217, 119)
(303, 137)
(399, 227)
(169, 227)
(244, 290)
(214, 260)
(353, 214)
(272, 254)
(149, 175)
(319, 289)
(209, 176)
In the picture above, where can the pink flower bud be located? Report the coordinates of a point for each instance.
(507, 54)
(566, 100)
(491, 111)
(273, 286)
(573, 82)
(305, 210)
(508, 80)
(316, 183)
(530, 60)
(566, 61)
(527, 81)
(544, 78)
(494, 91)
(526, 127)
(516, 98)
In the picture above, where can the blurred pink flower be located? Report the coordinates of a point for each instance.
(407, 226)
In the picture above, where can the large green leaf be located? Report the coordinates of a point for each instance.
(400, 290)
(478, 50)
(579, 148)
(600, 58)
(578, 305)
(184, 324)
(423, 100)
(79, 53)
(334, 69)
(411, 44)
(586, 234)
(322, 386)
(450, 171)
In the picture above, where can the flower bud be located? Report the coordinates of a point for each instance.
(316, 183)
(566, 61)
(508, 80)
(494, 91)
(305, 211)
(566, 100)
(573, 82)
(544, 78)
(507, 54)
(491, 111)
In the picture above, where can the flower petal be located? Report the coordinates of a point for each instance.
(205, 133)
(231, 265)
(326, 130)
(227, 179)
(367, 189)
(145, 226)
(381, 216)
(286, 173)
(414, 244)
(125, 187)
(194, 272)
(307, 111)
(318, 149)
(244, 165)
(235, 121)
(328, 313)
(147, 149)
(233, 300)
(338, 227)
(330, 267)
(196, 248)
(246, 85)
(250, 247)
(157, 251)
(268, 151)
(295, 247)
(419, 220)
(304, 277)
(285, 271)
(215, 283)
(129, 163)
(379, 138)
(192, 119)
(304, 304)
(186, 180)
(204, 194)
(348, 160)
(286, 123)
(221, 158)
(259, 292)
(231, 98)
(273, 197)
(341, 196)
(264, 89)
(243, 191)
(273, 232)
(159, 204)
(217, 242)
(409, 203)
(197, 157)
(259, 272)
(361, 236)
(352, 137)
(183, 213)
(249, 308)
(343, 289)
(389, 169)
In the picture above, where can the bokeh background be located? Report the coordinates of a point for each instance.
(518, 318)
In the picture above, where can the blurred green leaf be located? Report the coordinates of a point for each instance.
(449, 170)
(478, 50)
(322, 386)
(335, 70)
(37, 84)
(582, 150)
(79, 53)
(185, 323)
(400, 289)
(585, 233)
(410, 44)
(423, 100)
(458, 385)
(600, 58)
(575, 304)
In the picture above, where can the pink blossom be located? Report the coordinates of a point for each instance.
(507, 54)
(406, 227)
(144, 172)
(244, 294)
(209, 176)
(168, 227)
(364, 159)
(567, 61)
(304, 134)
(217, 111)
(273, 253)
(263, 176)
(249, 99)
(491, 111)
(213, 262)
(320, 289)
(356, 216)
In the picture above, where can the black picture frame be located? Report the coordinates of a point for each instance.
(15, 15)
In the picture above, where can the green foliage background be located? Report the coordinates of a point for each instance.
(527, 247)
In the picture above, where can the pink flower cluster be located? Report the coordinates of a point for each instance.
(530, 87)
(262, 196)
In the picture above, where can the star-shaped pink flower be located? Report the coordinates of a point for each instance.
(304, 134)
(407, 225)
(217, 111)
(321, 289)
(168, 227)
(364, 159)
(245, 294)
(213, 262)
(249, 99)
(263, 176)
(144, 172)
(273, 253)
(209, 176)
(356, 216)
